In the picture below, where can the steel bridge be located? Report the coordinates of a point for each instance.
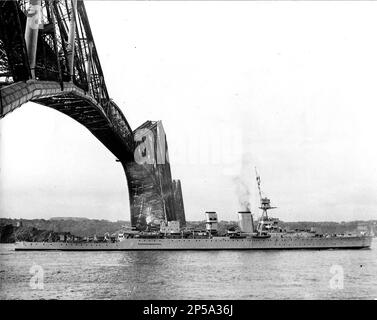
(48, 56)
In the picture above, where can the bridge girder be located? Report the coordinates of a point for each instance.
(64, 76)
(109, 127)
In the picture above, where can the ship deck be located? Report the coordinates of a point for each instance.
(216, 243)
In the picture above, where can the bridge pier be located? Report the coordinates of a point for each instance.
(149, 178)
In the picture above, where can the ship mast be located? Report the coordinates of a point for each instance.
(264, 202)
(258, 182)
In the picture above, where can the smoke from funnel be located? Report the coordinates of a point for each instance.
(243, 194)
(244, 183)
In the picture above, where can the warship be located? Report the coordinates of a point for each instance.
(265, 234)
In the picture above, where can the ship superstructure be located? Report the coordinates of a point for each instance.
(266, 225)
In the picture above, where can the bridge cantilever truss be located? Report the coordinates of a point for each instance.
(48, 56)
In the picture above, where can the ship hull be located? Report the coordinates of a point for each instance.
(218, 243)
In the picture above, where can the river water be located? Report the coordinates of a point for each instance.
(293, 274)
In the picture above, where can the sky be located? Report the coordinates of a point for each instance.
(287, 87)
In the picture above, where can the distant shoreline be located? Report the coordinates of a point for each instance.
(2, 219)
(42, 229)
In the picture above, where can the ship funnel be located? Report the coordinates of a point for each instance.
(245, 221)
(211, 223)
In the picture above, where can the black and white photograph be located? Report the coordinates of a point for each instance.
(188, 150)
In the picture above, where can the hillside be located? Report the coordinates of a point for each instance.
(10, 234)
(79, 227)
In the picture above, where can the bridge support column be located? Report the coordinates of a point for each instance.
(31, 32)
(71, 39)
